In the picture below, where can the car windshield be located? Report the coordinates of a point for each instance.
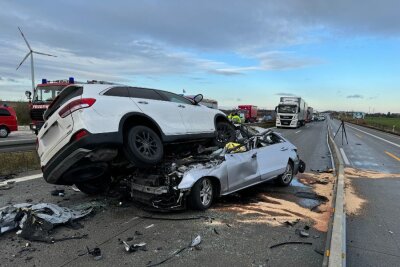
(287, 109)
(46, 93)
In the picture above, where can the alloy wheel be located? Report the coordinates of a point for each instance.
(146, 144)
(287, 175)
(206, 192)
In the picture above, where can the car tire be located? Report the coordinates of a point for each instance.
(286, 178)
(95, 187)
(144, 146)
(3, 132)
(225, 133)
(202, 194)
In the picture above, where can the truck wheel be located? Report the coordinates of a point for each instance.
(144, 146)
(202, 194)
(225, 133)
(3, 132)
(286, 178)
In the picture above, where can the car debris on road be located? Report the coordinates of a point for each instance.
(36, 220)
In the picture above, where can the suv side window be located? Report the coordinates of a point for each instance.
(118, 91)
(4, 112)
(137, 92)
(176, 98)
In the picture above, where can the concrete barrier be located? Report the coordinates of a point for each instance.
(336, 247)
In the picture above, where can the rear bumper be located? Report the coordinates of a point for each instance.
(74, 152)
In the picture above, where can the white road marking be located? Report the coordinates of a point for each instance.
(346, 160)
(298, 131)
(377, 137)
(23, 179)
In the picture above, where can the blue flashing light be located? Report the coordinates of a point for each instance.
(44, 81)
(71, 80)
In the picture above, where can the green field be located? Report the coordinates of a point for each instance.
(384, 121)
(16, 162)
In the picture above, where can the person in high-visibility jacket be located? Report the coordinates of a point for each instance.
(234, 117)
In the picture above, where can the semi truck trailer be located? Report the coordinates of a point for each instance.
(291, 112)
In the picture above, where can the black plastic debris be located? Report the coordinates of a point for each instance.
(138, 233)
(215, 231)
(96, 253)
(291, 223)
(58, 192)
(290, 243)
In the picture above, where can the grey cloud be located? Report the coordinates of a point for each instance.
(285, 94)
(355, 96)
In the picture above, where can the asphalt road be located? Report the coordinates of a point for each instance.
(373, 234)
(18, 141)
(236, 235)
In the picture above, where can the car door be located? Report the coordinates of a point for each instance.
(242, 169)
(197, 118)
(165, 113)
(272, 158)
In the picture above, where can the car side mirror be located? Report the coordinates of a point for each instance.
(28, 94)
(197, 99)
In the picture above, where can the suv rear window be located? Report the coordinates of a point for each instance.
(4, 112)
(66, 94)
(118, 91)
(137, 92)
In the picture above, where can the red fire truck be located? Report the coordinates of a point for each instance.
(43, 95)
(248, 112)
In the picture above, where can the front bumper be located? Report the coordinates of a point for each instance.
(74, 152)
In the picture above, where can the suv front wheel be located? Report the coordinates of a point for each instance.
(144, 146)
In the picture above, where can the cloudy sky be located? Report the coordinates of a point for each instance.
(341, 55)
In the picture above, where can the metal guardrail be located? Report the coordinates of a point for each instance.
(336, 248)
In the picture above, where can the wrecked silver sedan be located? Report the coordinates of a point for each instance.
(258, 155)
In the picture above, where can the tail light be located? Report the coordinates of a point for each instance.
(79, 135)
(76, 105)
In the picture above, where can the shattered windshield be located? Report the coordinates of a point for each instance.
(46, 93)
(287, 109)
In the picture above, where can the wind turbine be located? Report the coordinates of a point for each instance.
(30, 53)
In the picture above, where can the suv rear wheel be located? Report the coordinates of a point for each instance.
(3, 132)
(144, 146)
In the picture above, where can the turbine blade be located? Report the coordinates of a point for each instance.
(26, 41)
(40, 53)
(27, 55)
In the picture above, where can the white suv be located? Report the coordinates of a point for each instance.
(89, 127)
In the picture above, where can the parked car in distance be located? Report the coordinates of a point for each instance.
(92, 130)
(8, 121)
(259, 155)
